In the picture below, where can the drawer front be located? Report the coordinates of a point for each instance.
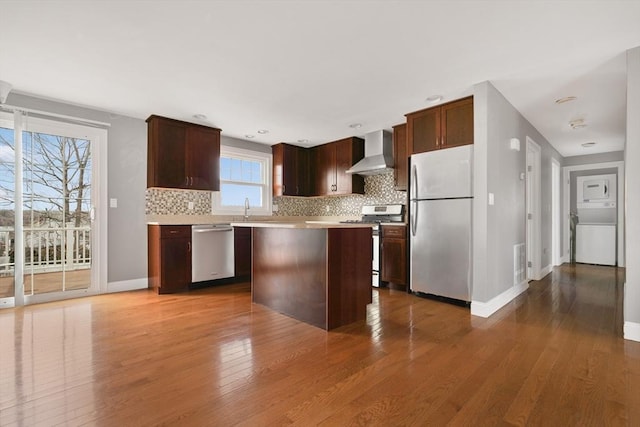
(168, 231)
(394, 231)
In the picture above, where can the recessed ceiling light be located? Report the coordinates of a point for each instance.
(565, 99)
(303, 141)
(249, 136)
(263, 131)
(434, 98)
(588, 144)
(577, 124)
(355, 125)
(200, 117)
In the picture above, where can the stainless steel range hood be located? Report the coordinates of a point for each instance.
(378, 154)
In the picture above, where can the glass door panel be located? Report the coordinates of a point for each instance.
(57, 207)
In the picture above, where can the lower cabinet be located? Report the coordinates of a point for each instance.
(393, 254)
(242, 251)
(169, 257)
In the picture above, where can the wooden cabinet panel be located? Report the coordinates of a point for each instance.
(182, 155)
(457, 123)
(242, 251)
(169, 252)
(290, 170)
(393, 255)
(332, 161)
(203, 158)
(400, 158)
(166, 152)
(445, 126)
(423, 130)
(325, 156)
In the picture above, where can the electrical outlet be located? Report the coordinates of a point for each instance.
(327, 208)
(190, 206)
(274, 208)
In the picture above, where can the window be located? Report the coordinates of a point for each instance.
(244, 174)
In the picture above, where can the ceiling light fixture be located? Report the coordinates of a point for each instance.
(588, 144)
(565, 99)
(577, 124)
(303, 141)
(434, 98)
(249, 136)
(200, 117)
(263, 131)
(355, 125)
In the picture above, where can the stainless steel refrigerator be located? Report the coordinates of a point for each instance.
(441, 198)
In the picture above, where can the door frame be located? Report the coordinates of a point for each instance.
(533, 211)
(556, 209)
(98, 137)
(566, 170)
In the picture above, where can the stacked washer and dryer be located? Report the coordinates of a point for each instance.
(596, 230)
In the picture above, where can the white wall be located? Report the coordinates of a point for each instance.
(497, 228)
(632, 179)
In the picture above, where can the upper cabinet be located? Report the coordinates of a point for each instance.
(332, 160)
(182, 155)
(400, 157)
(291, 171)
(448, 125)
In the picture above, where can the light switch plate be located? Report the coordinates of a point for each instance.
(190, 206)
(113, 203)
(491, 199)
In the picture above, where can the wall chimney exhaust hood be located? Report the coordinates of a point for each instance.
(378, 154)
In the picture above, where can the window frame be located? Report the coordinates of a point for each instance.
(267, 196)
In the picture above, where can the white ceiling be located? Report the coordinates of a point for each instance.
(306, 70)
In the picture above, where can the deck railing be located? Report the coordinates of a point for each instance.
(47, 249)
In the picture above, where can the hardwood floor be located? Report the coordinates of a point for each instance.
(553, 357)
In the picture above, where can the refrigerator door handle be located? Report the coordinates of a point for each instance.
(414, 182)
(414, 217)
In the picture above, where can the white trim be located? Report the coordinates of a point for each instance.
(620, 198)
(632, 331)
(98, 138)
(546, 270)
(267, 158)
(486, 309)
(556, 212)
(533, 207)
(7, 302)
(128, 285)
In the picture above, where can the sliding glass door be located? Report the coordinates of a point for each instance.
(50, 255)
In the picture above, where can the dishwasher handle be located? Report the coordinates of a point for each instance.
(215, 229)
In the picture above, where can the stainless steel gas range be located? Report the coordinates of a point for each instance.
(376, 215)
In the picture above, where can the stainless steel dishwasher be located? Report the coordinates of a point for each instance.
(212, 252)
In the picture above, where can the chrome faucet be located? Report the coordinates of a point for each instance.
(246, 208)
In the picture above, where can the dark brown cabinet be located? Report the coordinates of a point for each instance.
(445, 126)
(400, 157)
(182, 155)
(169, 261)
(393, 254)
(242, 251)
(291, 170)
(332, 160)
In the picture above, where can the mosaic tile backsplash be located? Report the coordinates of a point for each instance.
(378, 190)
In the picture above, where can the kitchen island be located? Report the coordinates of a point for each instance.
(318, 273)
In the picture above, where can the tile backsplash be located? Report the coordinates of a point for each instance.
(378, 190)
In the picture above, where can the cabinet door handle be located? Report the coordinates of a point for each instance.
(188, 246)
(284, 188)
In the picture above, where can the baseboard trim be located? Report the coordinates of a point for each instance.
(632, 331)
(128, 285)
(486, 309)
(548, 269)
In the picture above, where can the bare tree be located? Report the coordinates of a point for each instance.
(57, 176)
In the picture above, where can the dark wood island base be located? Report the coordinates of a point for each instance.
(321, 276)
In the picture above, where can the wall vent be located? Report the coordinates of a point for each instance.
(519, 264)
